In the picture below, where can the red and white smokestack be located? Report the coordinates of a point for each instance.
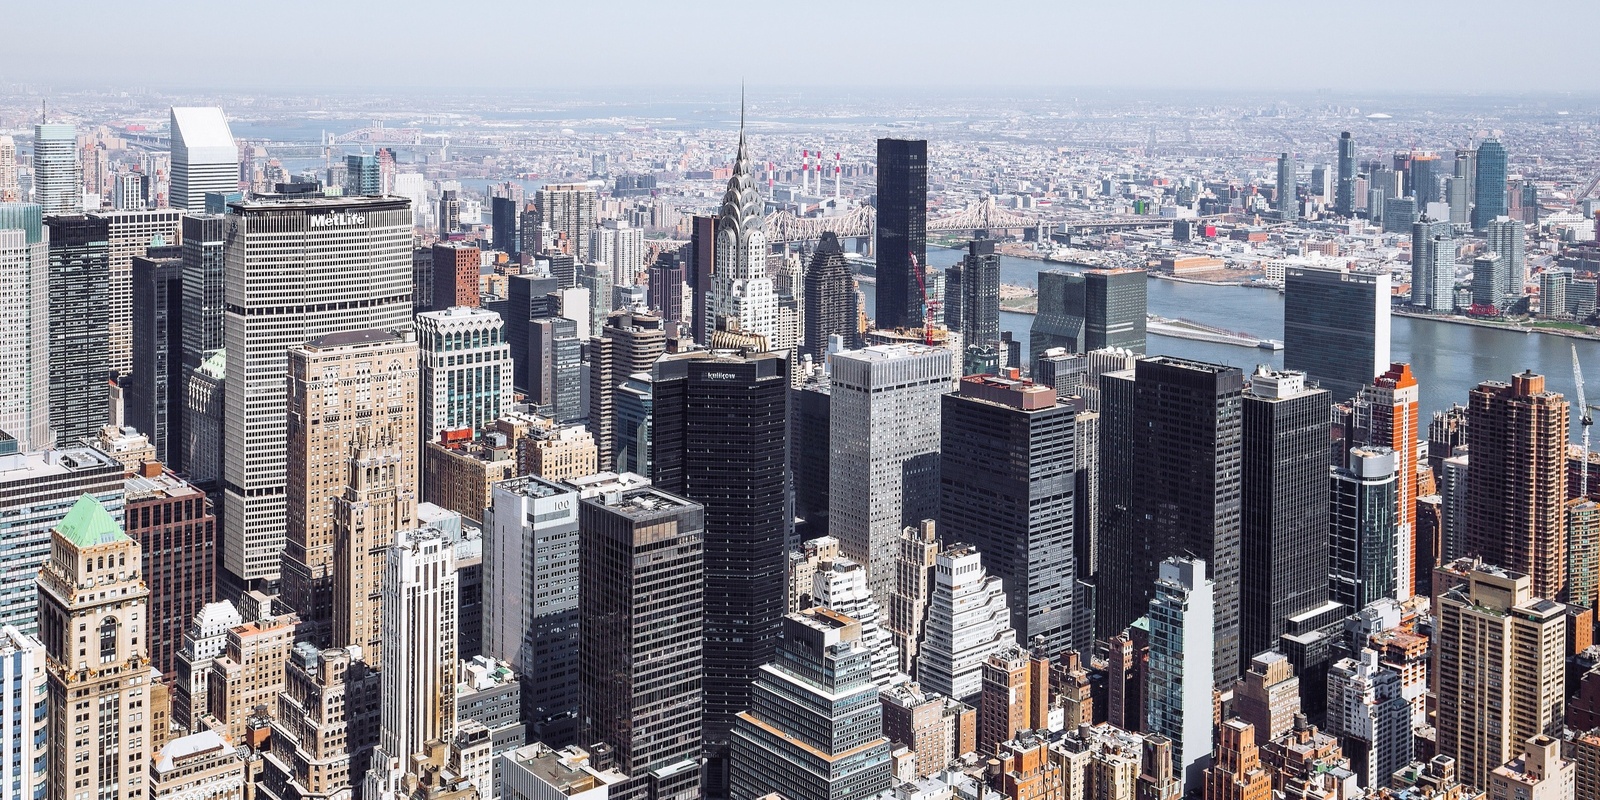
(836, 174)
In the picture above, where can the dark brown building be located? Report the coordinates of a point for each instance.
(1517, 485)
(455, 276)
(177, 534)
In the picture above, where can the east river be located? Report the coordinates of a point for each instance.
(1448, 359)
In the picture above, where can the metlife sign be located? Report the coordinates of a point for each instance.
(339, 220)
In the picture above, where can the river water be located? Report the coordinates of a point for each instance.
(1448, 359)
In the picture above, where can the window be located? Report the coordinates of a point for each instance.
(108, 640)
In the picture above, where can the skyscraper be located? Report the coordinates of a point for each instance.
(297, 269)
(1173, 444)
(1287, 204)
(1392, 421)
(1006, 479)
(1489, 183)
(1505, 239)
(351, 478)
(1344, 202)
(555, 366)
(155, 391)
(568, 208)
(1498, 664)
(531, 595)
(884, 467)
(1284, 506)
(419, 657)
(176, 532)
(1182, 618)
(1489, 279)
(1433, 265)
(39, 489)
(1363, 528)
(204, 157)
(620, 246)
(901, 242)
(1370, 716)
(10, 188)
(203, 261)
(700, 265)
(1336, 327)
(814, 729)
(25, 325)
(80, 325)
(743, 298)
(455, 275)
(630, 342)
(466, 369)
(1089, 310)
(1516, 486)
(720, 438)
(100, 735)
(503, 226)
(972, 295)
(967, 620)
(361, 177)
(25, 691)
(57, 173)
(130, 234)
(639, 683)
(831, 302)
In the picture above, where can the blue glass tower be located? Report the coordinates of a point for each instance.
(1490, 184)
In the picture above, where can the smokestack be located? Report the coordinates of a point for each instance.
(836, 171)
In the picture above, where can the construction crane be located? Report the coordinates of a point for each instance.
(1585, 420)
(929, 305)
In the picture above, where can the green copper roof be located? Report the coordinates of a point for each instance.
(89, 524)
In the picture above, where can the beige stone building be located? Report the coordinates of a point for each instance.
(249, 671)
(92, 620)
(352, 478)
(558, 453)
(1499, 661)
(460, 476)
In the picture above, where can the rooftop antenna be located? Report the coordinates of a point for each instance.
(43, 111)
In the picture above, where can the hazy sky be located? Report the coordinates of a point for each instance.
(1460, 46)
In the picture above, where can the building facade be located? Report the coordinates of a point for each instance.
(25, 324)
(1336, 327)
(466, 369)
(296, 269)
(901, 238)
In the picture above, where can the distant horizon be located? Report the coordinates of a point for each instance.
(1473, 47)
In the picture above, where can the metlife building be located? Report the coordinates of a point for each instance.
(295, 268)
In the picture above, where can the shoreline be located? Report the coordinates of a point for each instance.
(1501, 326)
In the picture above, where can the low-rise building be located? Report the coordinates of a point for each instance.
(200, 766)
(459, 472)
(536, 772)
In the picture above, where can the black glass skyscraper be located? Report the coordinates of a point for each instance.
(720, 438)
(832, 307)
(1089, 310)
(1336, 327)
(503, 215)
(1007, 475)
(1489, 184)
(529, 299)
(1170, 478)
(902, 230)
(972, 295)
(80, 324)
(1283, 526)
(155, 390)
(1344, 193)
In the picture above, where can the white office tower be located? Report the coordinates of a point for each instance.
(130, 234)
(841, 585)
(418, 696)
(24, 716)
(204, 157)
(413, 186)
(743, 297)
(10, 187)
(1181, 645)
(530, 597)
(25, 325)
(883, 439)
(967, 620)
(127, 192)
(296, 270)
(1505, 237)
(57, 173)
(466, 369)
(620, 246)
(1372, 719)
